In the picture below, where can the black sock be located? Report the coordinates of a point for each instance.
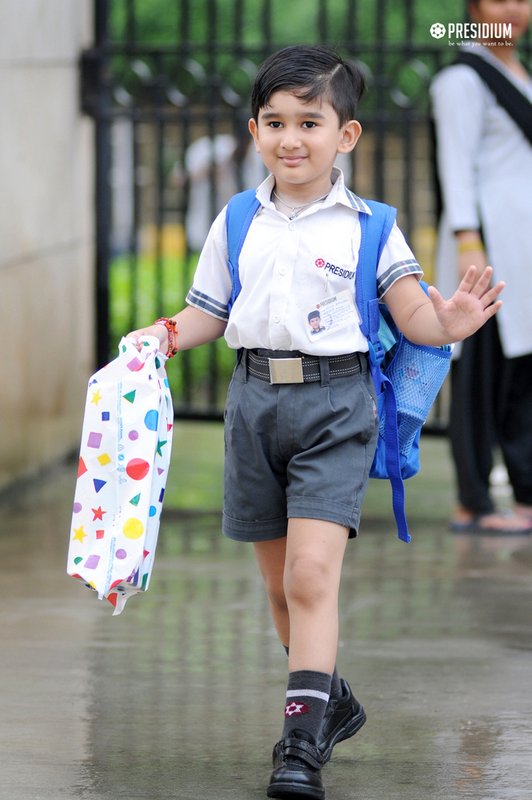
(336, 686)
(307, 696)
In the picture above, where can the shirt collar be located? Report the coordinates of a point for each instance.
(338, 194)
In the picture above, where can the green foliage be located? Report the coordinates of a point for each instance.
(229, 38)
(254, 22)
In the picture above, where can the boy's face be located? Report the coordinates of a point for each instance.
(299, 142)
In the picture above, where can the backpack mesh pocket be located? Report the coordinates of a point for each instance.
(417, 374)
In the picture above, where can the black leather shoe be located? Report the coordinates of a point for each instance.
(296, 770)
(343, 718)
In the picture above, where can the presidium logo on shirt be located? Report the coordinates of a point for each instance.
(334, 270)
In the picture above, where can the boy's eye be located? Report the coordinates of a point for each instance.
(309, 124)
(274, 124)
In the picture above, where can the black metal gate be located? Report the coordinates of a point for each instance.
(167, 85)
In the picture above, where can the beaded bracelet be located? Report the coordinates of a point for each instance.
(171, 328)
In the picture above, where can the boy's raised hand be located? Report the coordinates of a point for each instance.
(473, 303)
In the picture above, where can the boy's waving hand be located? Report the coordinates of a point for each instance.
(473, 303)
(435, 321)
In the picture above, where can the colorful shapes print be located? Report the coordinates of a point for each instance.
(151, 420)
(137, 468)
(133, 528)
(125, 452)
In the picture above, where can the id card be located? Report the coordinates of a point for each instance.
(331, 314)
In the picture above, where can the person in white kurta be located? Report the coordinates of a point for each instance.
(485, 173)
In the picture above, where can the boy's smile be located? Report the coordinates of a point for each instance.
(299, 141)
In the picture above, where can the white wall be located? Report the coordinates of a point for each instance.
(46, 233)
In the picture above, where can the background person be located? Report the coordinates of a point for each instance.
(485, 174)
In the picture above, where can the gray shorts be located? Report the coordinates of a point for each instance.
(296, 450)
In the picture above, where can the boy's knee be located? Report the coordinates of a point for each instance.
(306, 579)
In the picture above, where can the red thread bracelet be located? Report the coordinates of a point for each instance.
(171, 328)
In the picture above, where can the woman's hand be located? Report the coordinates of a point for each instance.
(469, 250)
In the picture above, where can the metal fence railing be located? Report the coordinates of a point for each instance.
(167, 86)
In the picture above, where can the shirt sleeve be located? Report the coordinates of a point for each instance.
(211, 287)
(458, 101)
(396, 261)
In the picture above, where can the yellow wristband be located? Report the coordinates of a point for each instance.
(470, 246)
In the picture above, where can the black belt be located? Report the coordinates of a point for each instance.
(281, 366)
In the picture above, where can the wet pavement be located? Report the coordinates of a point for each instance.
(181, 697)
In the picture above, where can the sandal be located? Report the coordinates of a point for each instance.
(497, 523)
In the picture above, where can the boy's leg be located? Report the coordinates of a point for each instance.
(313, 565)
(312, 568)
(306, 566)
(344, 716)
(270, 557)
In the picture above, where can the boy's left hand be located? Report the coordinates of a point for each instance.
(473, 303)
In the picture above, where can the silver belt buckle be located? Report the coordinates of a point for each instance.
(286, 370)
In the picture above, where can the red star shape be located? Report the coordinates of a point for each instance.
(98, 513)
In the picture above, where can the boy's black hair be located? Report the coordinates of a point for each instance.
(311, 72)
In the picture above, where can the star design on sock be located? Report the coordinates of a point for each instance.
(293, 709)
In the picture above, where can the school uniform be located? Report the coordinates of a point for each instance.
(302, 448)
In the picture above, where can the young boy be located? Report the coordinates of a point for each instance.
(298, 453)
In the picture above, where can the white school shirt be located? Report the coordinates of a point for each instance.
(289, 268)
(485, 168)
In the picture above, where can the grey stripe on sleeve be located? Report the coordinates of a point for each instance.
(396, 271)
(207, 304)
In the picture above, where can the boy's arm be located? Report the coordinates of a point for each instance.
(435, 321)
(194, 327)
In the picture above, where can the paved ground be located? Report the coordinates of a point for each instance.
(181, 697)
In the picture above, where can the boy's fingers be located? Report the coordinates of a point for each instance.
(479, 284)
(492, 309)
(435, 296)
(491, 295)
(469, 279)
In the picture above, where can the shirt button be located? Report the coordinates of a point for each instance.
(282, 270)
(277, 318)
(291, 226)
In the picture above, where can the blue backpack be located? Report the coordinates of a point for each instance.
(407, 376)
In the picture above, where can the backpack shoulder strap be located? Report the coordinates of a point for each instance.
(240, 211)
(514, 102)
(375, 230)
